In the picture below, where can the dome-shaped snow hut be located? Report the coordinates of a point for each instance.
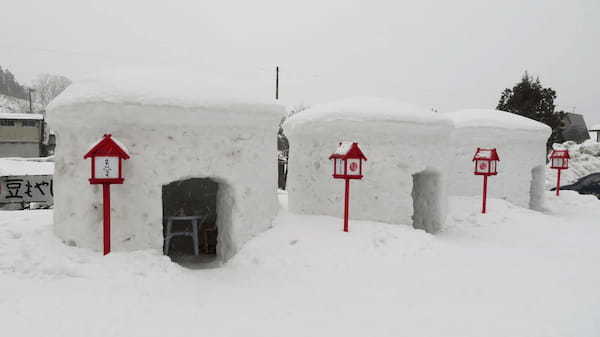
(520, 143)
(404, 177)
(196, 150)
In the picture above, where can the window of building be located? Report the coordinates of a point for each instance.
(7, 122)
(28, 122)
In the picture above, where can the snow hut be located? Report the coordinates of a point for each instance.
(520, 142)
(203, 151)
(404, 179)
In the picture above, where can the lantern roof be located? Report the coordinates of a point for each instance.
(560, 154)
(348, 150)
(107, 146)
(486, 154)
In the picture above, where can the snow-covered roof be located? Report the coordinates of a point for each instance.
(595, 127)
(188, 89)
(489, 118)
(348, 150)
(106, 144)
(343, 148)
(489, 154)
(366, 109)
(9, 115)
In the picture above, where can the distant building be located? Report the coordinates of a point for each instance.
(594, 132)
(21, 135)
(575, 128)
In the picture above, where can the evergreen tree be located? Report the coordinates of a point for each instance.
(530, 99)
(9, 85)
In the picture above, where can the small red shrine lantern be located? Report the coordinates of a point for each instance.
(486, 164)
(107, 168)
(347, 161)
(347, 164)
(559, 160)
(107, 161)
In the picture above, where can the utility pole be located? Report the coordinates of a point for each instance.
(277, 82)
(30, 105)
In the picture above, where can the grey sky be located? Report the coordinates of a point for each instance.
(443, 54)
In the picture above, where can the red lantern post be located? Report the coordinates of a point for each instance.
(559, 160)
(107, 168)
(486, 162)
(347, 164)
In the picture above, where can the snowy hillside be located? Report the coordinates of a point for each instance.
(10, 104)
(585, 159)
(513, 272)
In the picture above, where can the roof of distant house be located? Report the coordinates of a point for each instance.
(9, 115)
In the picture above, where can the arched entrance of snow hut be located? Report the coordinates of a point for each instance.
(194, 216)
(427, 200)
(536, 188)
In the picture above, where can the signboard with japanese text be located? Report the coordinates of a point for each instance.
(106, 167)
(26, 189)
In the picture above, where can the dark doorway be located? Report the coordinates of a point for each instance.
(187, 203)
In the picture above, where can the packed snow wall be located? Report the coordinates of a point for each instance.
(397, 147)
(415, 159)
(234, 144)
(521, 146)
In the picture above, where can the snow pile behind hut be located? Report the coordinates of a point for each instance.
(585, 160)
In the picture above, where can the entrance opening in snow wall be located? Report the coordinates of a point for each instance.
(536, 189)
(427, 203)
(190, 215)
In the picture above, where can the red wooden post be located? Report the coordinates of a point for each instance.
(346, 205)
(558, 183)
(111, 154)
(350, 157)
(484, 193)
(106, 215)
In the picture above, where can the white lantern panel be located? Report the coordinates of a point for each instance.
(493, 166)
(339, 167)
(107, 167)
(353, 167)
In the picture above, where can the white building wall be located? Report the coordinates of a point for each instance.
(19, 149)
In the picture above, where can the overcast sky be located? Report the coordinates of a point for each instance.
(443, 54)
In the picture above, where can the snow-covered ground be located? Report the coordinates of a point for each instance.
(585, 160)
(512, 272)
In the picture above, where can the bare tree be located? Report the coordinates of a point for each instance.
(48, 86)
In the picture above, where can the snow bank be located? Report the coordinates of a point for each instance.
(25, 166)
(169, 138)
(585, 160)
(512, 272)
